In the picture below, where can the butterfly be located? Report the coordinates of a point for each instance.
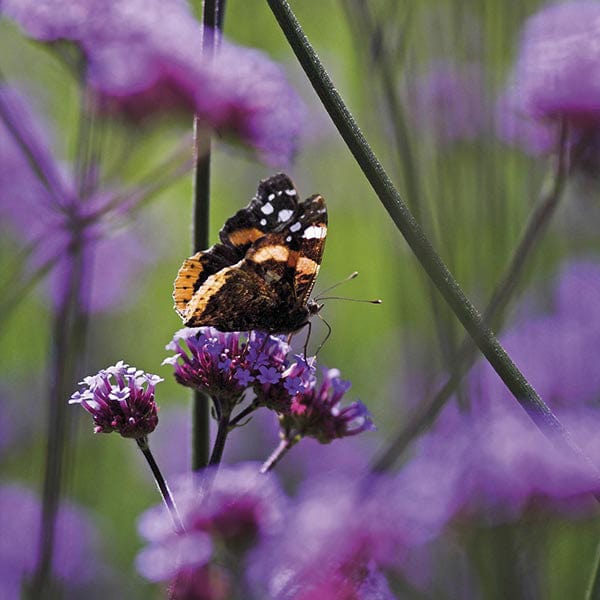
(261, 274)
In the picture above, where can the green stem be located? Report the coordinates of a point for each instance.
(212, 17)
(536, 226)
(593, 590)
(282, 449)
(161, 483)
(412, 232)
(222, 433)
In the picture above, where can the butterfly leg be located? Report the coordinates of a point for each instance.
(326, 337)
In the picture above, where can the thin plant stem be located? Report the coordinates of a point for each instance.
(593, 589)
(222, 433)
(69, 332)
(282, 449)
(536, 226)
(212, 18)
(420, 245)
(66, 350)
(161, 483)
(242, 415)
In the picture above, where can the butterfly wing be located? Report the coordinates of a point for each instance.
(252, 294)
(261, 274)
(310, 241)
(274, 204)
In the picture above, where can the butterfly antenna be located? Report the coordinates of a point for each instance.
(377, 301)
(326, 337)
(331, 287)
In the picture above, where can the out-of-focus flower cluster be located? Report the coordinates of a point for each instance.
(228, 366)
(38, 201)
(121, 399)
(146, 57)
(556, 79)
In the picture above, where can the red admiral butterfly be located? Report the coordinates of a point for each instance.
(261, 274)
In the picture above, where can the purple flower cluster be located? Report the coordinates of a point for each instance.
(227, 365)
(313, 547)
(121, 399)
(144, 57)
(556, 78)
(316, 412)
(241, 506)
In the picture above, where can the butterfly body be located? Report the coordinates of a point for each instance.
(262, 272)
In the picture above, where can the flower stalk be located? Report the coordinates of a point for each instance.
(212, 18)
(161, 483)
(285, 444)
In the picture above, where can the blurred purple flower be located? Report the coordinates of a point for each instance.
(556, 78)
(145, 56)
(225, 364)
(493, 459)
(121, 399)
(316, 411)
(74, 561)
(324, 549)
(448, 102)
(241, 507)
(50, 220)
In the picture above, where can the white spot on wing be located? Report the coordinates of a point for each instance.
(290, 192)
(271, 196)
(263, 222)
(267, 209)
(284, 214)
(279, 193)
(295, 227)
(314, 233)
(288, 238)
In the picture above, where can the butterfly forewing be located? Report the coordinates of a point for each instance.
(274, 204)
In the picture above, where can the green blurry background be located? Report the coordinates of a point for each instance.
(471, 197)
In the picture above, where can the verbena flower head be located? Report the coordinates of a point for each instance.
(241, 507)
(556, 77)
(225, 365)
(316, 411)
(121, 399)
(145, 56)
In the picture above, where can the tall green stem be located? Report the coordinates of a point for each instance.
(412, 232)
(213, 12)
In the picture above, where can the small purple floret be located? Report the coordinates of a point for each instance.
(316, 411)
(120, 398)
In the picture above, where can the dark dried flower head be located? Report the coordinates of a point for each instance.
(121, 399)
(316, 411)
(225, 365)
